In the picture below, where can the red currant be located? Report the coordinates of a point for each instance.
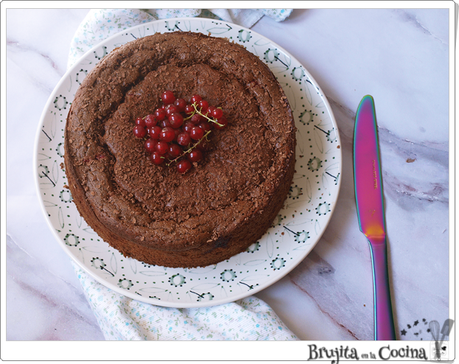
(140, 122)
(168, 97)
(210, 110)
(174, 151)
(165, 123)
(189, 109)
(181, 104)
(196, 119)
(195, 155)
(195, 99)
(217, 113)
(203, 105)
(150, 121)
(187, 126)
(155, 131)
(176, 120)
(161, 147)
(167, 134)
(183, 166)
(150, 145)
(160, 114)
(170, 109)
(196, 133)
(183, 139)
(223, 123)
(205, 126)
(156, 158)
(140, 131)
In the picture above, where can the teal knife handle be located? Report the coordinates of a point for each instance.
(384, 320)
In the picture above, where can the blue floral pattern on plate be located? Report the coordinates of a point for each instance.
(293, 234)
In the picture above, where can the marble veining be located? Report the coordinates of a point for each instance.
(400, 56)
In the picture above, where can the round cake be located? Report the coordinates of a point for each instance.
(158, 214)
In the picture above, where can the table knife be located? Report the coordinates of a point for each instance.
(370, 211)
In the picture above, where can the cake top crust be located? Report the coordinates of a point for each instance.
(157, 206)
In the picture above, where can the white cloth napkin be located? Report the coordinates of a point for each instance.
(122, 318)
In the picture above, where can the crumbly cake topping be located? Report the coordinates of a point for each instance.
(237, 178)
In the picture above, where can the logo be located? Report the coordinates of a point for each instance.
(439, 348)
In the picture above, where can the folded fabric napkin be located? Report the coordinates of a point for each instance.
(122, 318)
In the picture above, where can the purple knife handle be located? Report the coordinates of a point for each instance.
(384, 320)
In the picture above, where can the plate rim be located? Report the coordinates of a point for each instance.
(132, 295)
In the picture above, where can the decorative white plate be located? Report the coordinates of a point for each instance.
(297, 229)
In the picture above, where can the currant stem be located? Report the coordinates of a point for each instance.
(200, 113)
(189, 149)
(189, 117)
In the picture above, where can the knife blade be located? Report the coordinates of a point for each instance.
(370, 212)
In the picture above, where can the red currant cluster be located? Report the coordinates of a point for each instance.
(178, 130)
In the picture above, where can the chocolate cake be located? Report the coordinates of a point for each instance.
(152, 213)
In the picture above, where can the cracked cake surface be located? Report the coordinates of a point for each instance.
(152, 213)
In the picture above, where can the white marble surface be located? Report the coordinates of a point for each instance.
(400, 56)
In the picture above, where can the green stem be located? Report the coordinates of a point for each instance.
(189, 149)
(200, 113)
